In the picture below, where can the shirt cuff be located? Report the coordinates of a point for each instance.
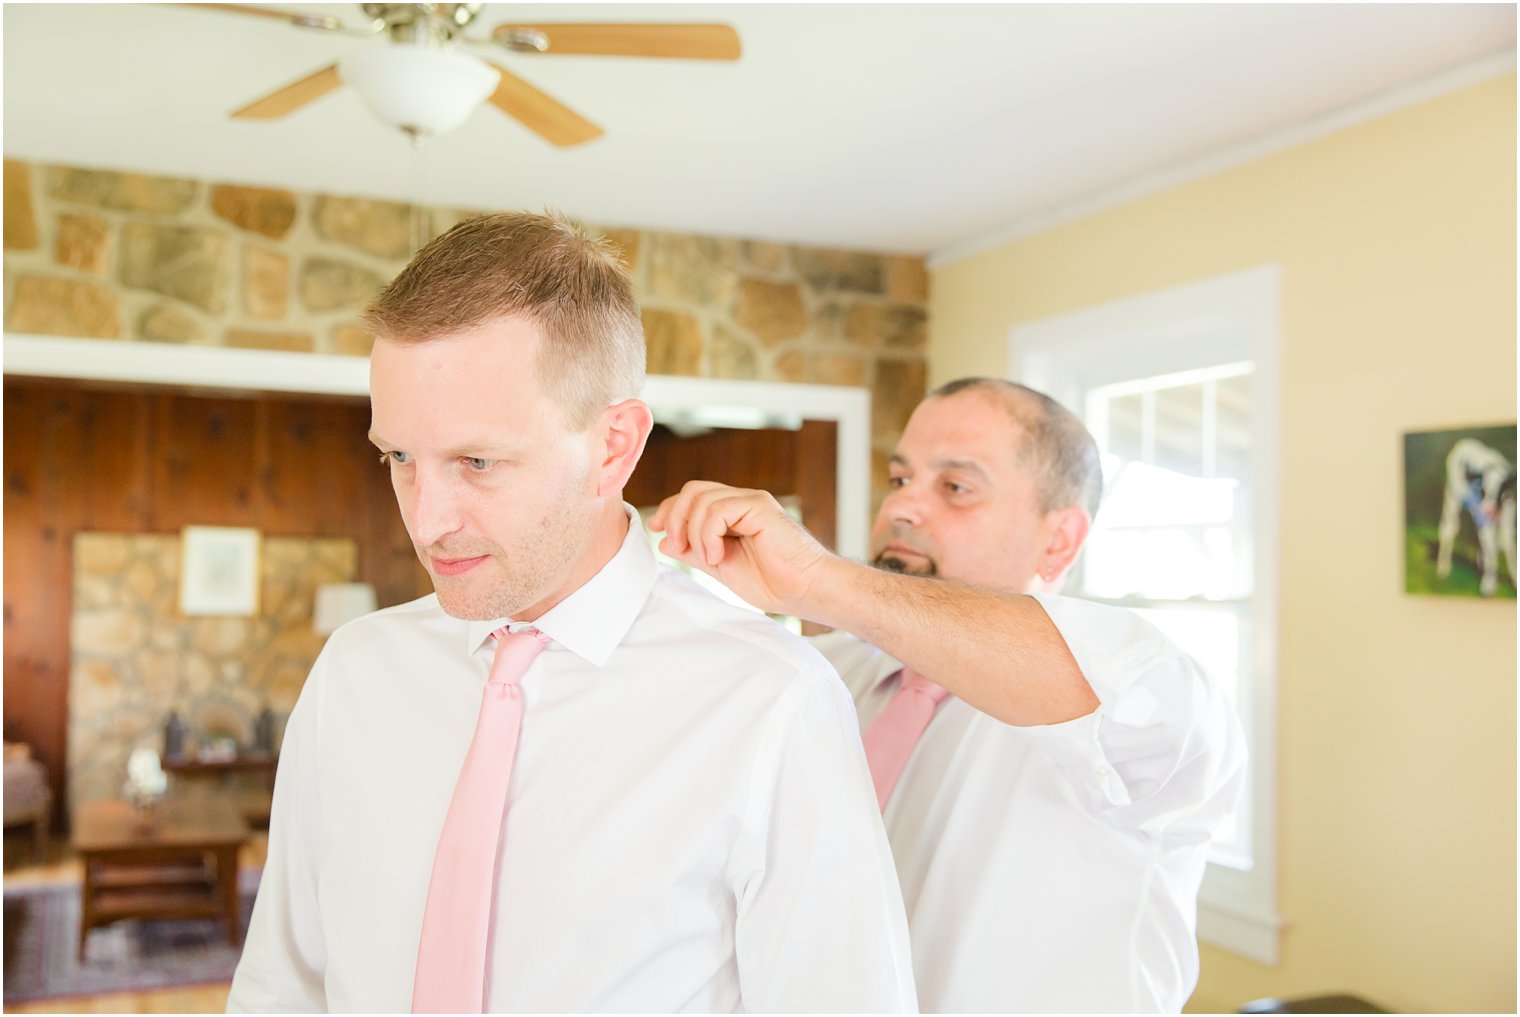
(1076, 748)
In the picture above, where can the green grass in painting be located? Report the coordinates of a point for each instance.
(1420, 543)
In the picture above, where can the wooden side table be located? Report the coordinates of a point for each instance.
(191, 766)
(182, 863)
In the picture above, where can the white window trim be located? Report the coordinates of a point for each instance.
(1229, 318)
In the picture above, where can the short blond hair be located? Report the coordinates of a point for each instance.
(545, 267)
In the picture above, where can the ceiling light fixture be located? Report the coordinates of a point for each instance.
(423, 90)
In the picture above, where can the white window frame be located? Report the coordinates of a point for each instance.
(1217, 321)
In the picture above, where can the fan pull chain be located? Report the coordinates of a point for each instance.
(421, 216)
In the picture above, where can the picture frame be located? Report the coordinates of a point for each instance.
(219, 571)
(1459, 512)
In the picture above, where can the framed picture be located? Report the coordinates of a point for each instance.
(219, 570)
(1459, 512)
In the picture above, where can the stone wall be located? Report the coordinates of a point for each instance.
(99, 254)
(135, 657)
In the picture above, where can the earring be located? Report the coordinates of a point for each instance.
(1050, 574)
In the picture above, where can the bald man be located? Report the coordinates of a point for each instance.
(1051, 771)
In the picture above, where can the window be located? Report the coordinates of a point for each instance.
(1179, 390)
(1173, 540)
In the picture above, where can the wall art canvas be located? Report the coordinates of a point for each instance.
(1459, 512)
(219, 570)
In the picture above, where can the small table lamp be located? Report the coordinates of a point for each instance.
(338, 603)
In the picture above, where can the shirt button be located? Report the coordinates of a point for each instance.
(1102, 770)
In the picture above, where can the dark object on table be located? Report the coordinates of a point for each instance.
(1312, 1004)
(174, 736)
(263, 733)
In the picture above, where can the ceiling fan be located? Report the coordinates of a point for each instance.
(420, 82)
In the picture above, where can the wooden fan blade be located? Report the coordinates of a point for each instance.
(684, 42)
(541, 113)
(292, 97)
(304, 20)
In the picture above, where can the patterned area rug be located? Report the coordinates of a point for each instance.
(42, 943)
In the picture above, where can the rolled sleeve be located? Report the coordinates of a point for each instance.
(1163, 752)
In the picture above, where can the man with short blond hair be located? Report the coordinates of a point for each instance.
(544, 267)
(663, 805)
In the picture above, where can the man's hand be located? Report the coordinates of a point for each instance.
(997, 650)
(746, 541)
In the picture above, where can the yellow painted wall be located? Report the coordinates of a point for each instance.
(1396, 728)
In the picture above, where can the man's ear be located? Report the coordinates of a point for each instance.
(1067, 529)
(625, 427)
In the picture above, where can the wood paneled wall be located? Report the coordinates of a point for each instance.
(150, 461)
(801, 463)
(804, 463)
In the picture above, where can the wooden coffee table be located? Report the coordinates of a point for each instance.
(183, 863)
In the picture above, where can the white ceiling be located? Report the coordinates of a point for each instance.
(901, 127)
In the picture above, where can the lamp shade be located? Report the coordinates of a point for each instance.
(420, 90)
(338, 603)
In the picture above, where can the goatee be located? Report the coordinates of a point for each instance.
(888, 562)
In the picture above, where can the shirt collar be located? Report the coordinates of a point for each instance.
(593, 619)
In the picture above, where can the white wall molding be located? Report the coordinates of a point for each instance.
(1250, 935)
(213, 367)
(1156, 181)
(698, 401)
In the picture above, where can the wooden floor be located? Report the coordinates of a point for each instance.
(61, 866)
(196, 999)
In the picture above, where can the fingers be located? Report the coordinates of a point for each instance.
(710, 523)
(674, 515)
(698, 519)
(708, 520)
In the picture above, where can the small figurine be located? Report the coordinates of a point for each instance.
(146, 783)
(174, 736)
(263, 733)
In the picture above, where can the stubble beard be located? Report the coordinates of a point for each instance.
(512, 588)
(522, 578)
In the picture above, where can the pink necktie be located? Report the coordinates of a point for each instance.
(890, 739)
(456, 925)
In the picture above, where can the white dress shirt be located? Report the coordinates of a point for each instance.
(691, 824)
(1056, 868)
